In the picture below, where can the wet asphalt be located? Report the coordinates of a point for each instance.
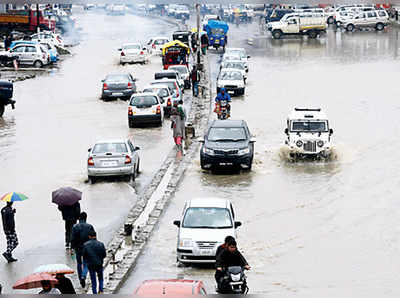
(58, 116)
(310, 229)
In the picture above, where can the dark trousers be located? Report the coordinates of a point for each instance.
(195, 88)
(12, 241)
(68, 231)
(93, 271)
(81, 265)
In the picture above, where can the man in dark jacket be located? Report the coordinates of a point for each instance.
(7, 215)
(204, 43)
(64, 284)
(228, 257)
(224, 245)
(94, 253)
(80, 234)
(70, 215)
(195, 78)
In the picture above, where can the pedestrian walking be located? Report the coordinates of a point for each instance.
(80, 235)
(48, 289)
(178, 124)
(64, 285)
(204, 43)
(195, 79)
(94, 253)
(7, 216)
(70, 215)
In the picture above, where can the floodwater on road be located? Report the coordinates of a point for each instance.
(310, 229)
(44, 142)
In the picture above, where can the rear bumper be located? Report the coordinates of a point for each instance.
(156, 118)
(132, 59)
(103, 172)
(117, 93)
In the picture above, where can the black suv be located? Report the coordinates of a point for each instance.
(227, 143)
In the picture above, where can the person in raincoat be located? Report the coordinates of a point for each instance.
(7, 216)
(178, 124)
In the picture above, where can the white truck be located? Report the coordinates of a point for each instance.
(311, 24)
(308, 134)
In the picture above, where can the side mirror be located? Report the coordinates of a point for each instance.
(331, 131)
(120, 49)
(237, 224)
(201, 140)
(248, 56)
(286, 131)
(177, 223)
(144, 49)
(103, 81)
(162, 100)
(135, 80)
(90, 149)
(253, 140)
(136, 148)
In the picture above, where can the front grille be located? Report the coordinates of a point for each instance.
(230, 87)
(310, 146)
(225, 152)
(206, 244)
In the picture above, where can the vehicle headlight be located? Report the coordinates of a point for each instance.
(299, 143)
(244, 151)
(208, 151)
(185, 242)
(320, 143)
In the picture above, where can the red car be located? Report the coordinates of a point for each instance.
(171, 287)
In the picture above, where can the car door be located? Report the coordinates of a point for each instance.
(30, 54)
(19, 51)
(372, 19)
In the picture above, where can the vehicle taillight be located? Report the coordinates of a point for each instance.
(122, 54)
(44, 56)
(58, 38)
(105, 87)
(154, 46)
(158, 110)
(169, 102)
(90, 161)
(130, 112)
(141, 53)
(128, 160)
(130, 85)
(177, 90)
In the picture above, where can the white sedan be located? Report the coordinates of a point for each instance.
(236, 64)
(131, 53)
(232, 80)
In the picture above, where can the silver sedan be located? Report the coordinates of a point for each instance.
(113, 158)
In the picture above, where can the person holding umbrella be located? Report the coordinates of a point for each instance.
(48, 289)
(67, 199)
(64, 284)
(8, 218)
(36, 280)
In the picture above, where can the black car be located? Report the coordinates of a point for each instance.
(6, 94)
(227, 143)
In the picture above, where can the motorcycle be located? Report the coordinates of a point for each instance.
(233, 281)
(6, 93)
(222, 110)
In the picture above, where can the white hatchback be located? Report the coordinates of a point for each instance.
(145, 108)
(204, 224)
(131, 53)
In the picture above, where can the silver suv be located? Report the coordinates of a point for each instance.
(377, 19)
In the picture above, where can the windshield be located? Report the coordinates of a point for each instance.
(231, 75)
(217, 31)
(236, 65)
(206, 217)
(170, 85)
(142, 101)
(45, 45)
(131, 47)
(317, 126)
(110, 147)
(116, 78)
(227, 134)
(160, 91)
(181, 70)
(236, 53)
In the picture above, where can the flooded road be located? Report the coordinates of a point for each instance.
(310, 229)
(44, 142)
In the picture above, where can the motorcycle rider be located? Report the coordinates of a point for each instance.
(223, 95)
(229, 256)
(224, 245)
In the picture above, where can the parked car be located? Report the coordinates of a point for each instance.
(29, 54)
(172, 85)
(163, 92)
(48, 36)
(377, 19)
(49, 47)
(235, 64)
(232, 80)
(183, 72)
(113, 158)
(131, 53)
(155, 44)
(118, 86)
(204, 224)
(227, 143)
(6, 94)
(174, 287)
(171, 74)
(145, 108)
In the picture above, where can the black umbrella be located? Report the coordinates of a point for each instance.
(66, 196)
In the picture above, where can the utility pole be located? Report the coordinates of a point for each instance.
(198, 35)
(37, 18)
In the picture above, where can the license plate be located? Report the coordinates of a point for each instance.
(109, 163)
(225, 164)
(231, 91)
(217, 40)
(117, 93)
(206, 252)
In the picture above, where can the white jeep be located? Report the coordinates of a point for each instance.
(308, 134)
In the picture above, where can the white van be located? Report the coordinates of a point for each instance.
(204, 224)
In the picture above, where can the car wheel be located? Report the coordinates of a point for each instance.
(138, 167)
(2, 108)
(312, 34)
(92, 179)
(132, 177)
(276, 34)
(380, 26)
(250, 165)
(122, 63)
(38, 64)
(331, 20)
(350, 27)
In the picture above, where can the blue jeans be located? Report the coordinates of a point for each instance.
(81, 265)
(93, 270)
(195, 88)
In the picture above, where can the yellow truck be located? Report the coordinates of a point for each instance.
(310, 24)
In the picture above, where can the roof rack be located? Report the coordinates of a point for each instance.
(307, 110)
